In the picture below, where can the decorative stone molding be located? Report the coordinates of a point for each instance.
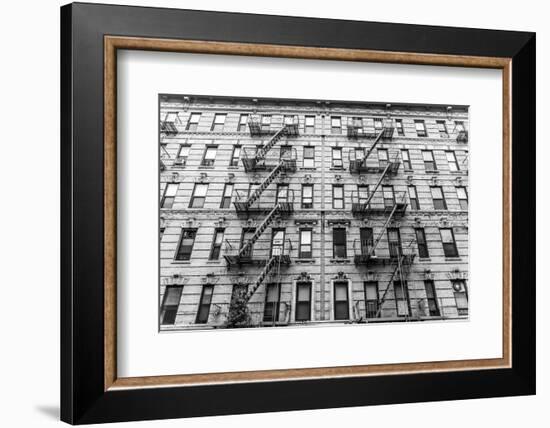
(307, 178)
(304, 276)
(337, 178)
(190, 222)
(409, 180)
(175, 279)
(341, 275)
(428, 274)
(202, 178)
(338, 222)
(305, 222)
(241, 278)
(362, 179)
(175, 177)
(371, 276)
(230, 178)
(457, 274)
(220, 222)
(210, 279)
(434, 180)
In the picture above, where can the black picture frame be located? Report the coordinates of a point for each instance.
(83, 398)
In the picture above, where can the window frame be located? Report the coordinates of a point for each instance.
(441, 200)
(241, 126)
(173, 307)
(376, 301)
(308, 158)
(216, 248)
(344, 284)
(452, 161)
(422, 243)
(299, 302)
(194, 196)
(303, 201)
(226, 198)
(342, 246)
(335, 130)
(430, 284)
(172, 199)
(415, 202)
(338, 159)
(234, 160)
(191, 124)
(309, 128)
(428, 163)
(446, 245)
(334, 199)
(443, 131)
(404, 288)
(215, 124)
(301, 253)
(461, 200)
(276, 304)
(400, 127)
(202, 317)
(187, 255)
(209, 161)
(407, 165)
(420, 132)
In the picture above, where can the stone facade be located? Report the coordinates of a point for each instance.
(354, 281)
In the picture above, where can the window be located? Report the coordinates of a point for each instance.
(429, 163)
(170, 303)
(394, 242)
(421, 242)
(337, 157)
(243, 120)
(462, 198)
(169, 195)
(402, 298)
(218, 123)
(433, 308)
(389, 196)
(246, 236)
(367, 241)
(288, 119)
(371, 299)
(209, 156)
(382, 158)
(461, 296)
(183, 154)
(272, 302)
(303, 301)
(339, 250)
(285, 152)
(438, 198)
(310, 124)
(266, 122)
(359, 153)
(277, 242)
(235, 156)
(341, 306)
(449, 244)
(406, 159)
(399, 126)
(337, 196)
(442, 128)
(226, 196)
(459, 126)
(204, 304)
(451, 158)
(362, 193)
(336, 125)
(378, 124)
(309, 157)
(307, 196)
(420, 128)
(193, 122)
(187, 240)
(199, 196)
(282, 193)
(413, 198)
(305, 243)
(216, 244)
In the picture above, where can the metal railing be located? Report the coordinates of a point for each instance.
(358, 163)
(257, 125)
(271, 159)
(267, 199)
(378, 203)
(366, 250)
(367, 127)
(260, 252)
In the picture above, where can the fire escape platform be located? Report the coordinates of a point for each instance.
(361, 208)
(374, 260)
(359, 167)
(233, 260)
(243, 208)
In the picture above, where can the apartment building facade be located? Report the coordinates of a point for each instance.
(303, 212)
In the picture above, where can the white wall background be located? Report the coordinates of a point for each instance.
(29, 218)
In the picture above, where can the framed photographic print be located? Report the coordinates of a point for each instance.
(273, 213)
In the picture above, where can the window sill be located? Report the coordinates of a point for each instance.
(409, 170)
(432, 171)
(453, 259)
(340, 260)
(206, 166)
(424, 259)
(232, 167)
(304, 168)
(304, 261)
(336, 168)
(213, 262)
(181, 262)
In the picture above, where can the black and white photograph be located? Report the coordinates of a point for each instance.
(291, 212)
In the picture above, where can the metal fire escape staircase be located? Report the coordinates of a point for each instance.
(403, 263)
(278, 256)
(360, 165)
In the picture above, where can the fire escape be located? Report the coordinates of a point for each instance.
(243, 252)
(392, 207)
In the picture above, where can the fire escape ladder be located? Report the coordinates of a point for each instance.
(381, 234)
(265, 224)
(384, 173)
(267, 181)
(376, 141)
(271, 263)
(262, 151)
(402, 266)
